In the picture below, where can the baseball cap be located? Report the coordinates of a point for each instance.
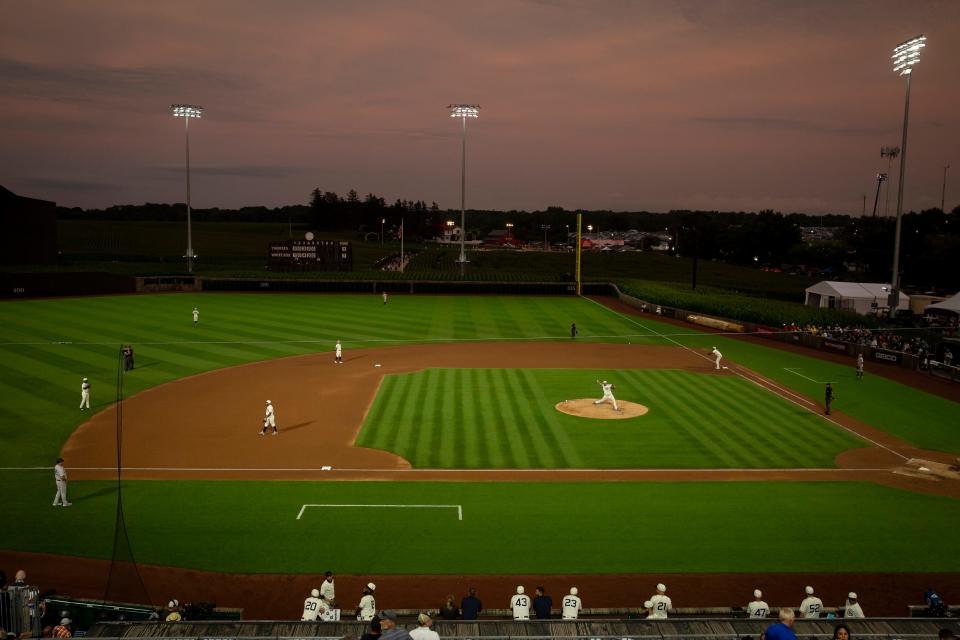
(808, 590)
(173, 604)
(573, 591)
(388, 614)
(423, 618)
(520, 589)
(757, 593)
(268, 402)
(647, 605)
(371, 586)
(66, 621)
(315, 593)
(84, 379)
(661, 587)
(59, 460)
(852, 595)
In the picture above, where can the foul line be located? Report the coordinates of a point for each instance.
(458, 507)
(794, 371)
(756, 382)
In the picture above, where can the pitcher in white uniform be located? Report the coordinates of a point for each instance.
(607, 394)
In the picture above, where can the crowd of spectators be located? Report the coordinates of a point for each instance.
(887, 340)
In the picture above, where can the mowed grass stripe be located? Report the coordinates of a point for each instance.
(470, 428)
(536, 441)
(498, 450)
(428, 437)
(563, 450)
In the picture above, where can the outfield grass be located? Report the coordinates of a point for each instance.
(504, 418)
(549, 528)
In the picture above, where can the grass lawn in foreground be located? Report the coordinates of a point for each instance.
(508, 528)
(505, 418)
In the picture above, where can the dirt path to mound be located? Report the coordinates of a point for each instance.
(206, 426)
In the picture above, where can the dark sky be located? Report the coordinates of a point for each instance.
(626, 105)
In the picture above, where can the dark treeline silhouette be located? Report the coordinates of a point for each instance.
(930, 240)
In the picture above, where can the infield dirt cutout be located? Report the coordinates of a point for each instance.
(585, 408)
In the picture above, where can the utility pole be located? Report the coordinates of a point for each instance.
(943, 192)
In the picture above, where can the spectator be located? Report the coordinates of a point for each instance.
(20, 578)
(367, 608)
(852, 608)
(449, 610)
(812, 606)
(62, 630)
(841, 632)
(661, 603)
(423, 630)
(758, 608)
(542, 604)
(572, 605)
(520, 604)
(935, 605)
(471, 606)
(375, 631)
(327, 592)
(173, 611)
(388, 622)
(782, 630)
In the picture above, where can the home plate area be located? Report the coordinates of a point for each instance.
(585, 408)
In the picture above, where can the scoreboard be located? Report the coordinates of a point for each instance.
(310, 255)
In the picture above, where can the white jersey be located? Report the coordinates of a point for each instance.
(607, 390)
(520, 604)
(368, 608)
(423, 633)
(571, 607)
(758, 609)
(327, 591)
(268, 417)
(312, 608)
(811, 607)
(661, 604)
(860, 362)
(84, 388)
(716, 354)
(196, 315)
(59, 473)
(339, 350)
(853, 610)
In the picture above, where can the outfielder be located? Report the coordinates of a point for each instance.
(520, 603)
(607, 394)
(717, 356)
(571, 605)
(269, 419)
(384, 297)
(196, 316)
(339, 354)
(60, 477)
(859, 366)
(84, 395)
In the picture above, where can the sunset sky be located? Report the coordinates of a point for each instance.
(589, 104)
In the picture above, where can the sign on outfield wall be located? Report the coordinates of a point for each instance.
(833, 345)
(887, 356)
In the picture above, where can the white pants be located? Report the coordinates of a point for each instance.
(84, 399)
(608, 396)
(61, 496)
(718, 361)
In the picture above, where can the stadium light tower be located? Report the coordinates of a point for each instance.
(890, 153)
(463, 111)
(187, 111)
(905, 56)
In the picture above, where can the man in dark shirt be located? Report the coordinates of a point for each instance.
(783, 630)
(542, 604)
(388, 623)
(828, 398)
(471, 605)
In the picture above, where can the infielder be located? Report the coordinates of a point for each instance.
(269, 419)
(339, 354)
(607, 394)
(717, 356)
(60, 477)
(84, 395)
(757, 607)
(313, 606)
(661, 603)
(196, 316)
(571, 605)
(812, 606)
(520, 603)
(859, 366)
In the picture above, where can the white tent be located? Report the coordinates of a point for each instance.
(860, 297)
(950, 305)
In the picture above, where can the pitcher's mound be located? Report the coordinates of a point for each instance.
(585, 408)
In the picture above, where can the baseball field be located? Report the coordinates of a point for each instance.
(437, 448)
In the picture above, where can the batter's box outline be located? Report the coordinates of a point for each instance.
(458, 507)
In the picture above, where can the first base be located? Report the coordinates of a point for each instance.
(377, 365)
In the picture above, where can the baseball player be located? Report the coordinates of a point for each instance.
(269, 419)
(812, 606)
(607, 394)
(827, 398)
(327, 591)
(384, 297)
(717, 356)
(84, 395)
(573, 330)
(196, 316)
(339, 354)
(758, 608)
(367, 608)
(60, 477)
(571, 605)
(661, 603)
(859, 366)
(312, 606)
(520, 603)
(852, 608)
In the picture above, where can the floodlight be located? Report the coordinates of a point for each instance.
(907, 54)
(186, 111)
